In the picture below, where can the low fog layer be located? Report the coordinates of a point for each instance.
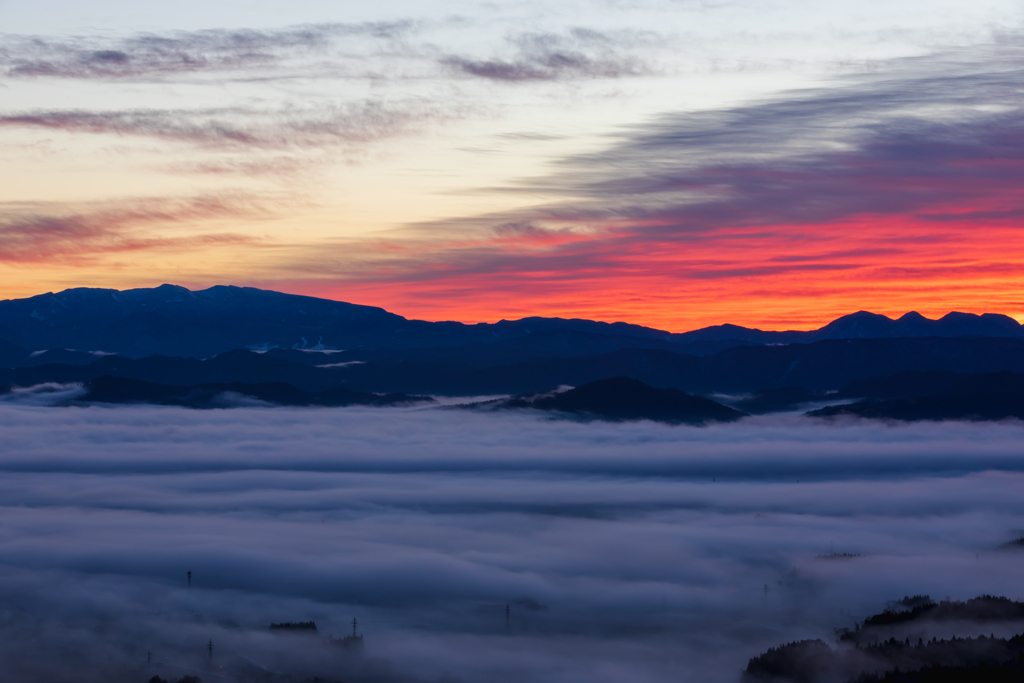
(633, 551)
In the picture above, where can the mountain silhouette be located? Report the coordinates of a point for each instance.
(866, 325)
(174, 321)
(774, 400)
(819, 367)
(990, 396)
(623, 398)
(171, 336)
(109, 389)
(898, 646)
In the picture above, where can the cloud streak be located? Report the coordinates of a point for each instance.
(376, 50)
(150, 56)
(329, 125)
(33, 234)
(581, 54)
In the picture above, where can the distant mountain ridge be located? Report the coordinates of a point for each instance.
(174, 321)
(980, 397)
(107, 389)
(865, 325)
(823, 366)
(621, 399)
(172, 346)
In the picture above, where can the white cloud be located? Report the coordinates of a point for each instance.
(649, 545)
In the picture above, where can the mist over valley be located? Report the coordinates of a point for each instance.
(627, 550)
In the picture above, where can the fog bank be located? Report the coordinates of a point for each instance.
(632, 551)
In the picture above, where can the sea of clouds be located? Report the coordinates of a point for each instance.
(634, 551)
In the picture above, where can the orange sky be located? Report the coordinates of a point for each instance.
(740, 281)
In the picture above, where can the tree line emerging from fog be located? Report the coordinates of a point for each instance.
(873, 651)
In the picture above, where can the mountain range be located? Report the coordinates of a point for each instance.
(174, 321)
(173, 337)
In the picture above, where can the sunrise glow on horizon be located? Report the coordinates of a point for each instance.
(665, 163)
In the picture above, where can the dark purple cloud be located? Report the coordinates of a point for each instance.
(915, 140)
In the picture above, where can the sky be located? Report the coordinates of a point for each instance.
(630, 551)
(672, 163)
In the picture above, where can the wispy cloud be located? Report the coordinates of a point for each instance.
(352, 124)
(36, 233)
(150, 56)
(374, 51)
(579, 54)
